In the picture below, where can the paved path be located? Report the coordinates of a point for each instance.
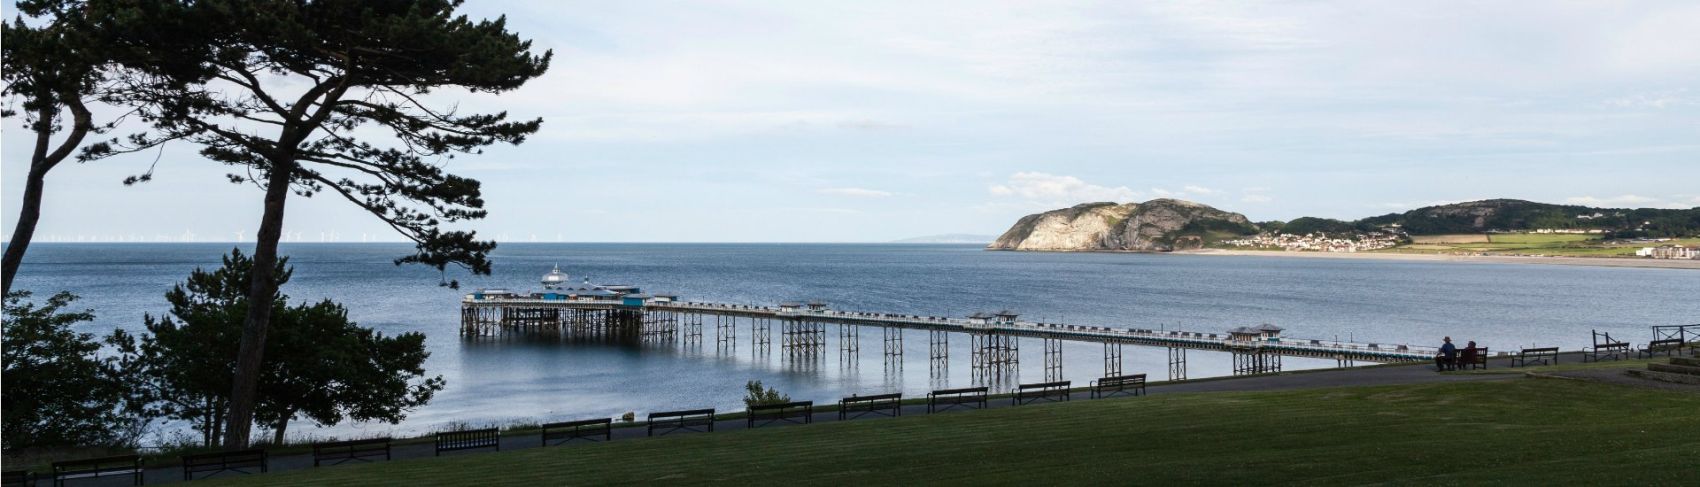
(1359, 376)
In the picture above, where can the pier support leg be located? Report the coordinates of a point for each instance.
(761, 332)
(1053, 359)
(995, 358)
(1256, 362)
(938, 353)
(726, 332)
(1177, 364)
(893, 339)
(849, 342)
(799, 338)
(692, 329)
(1112, 359)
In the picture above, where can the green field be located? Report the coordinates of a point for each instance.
(1516, 431)
(1564, 245)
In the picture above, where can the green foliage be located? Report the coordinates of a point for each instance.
(755, 395)
(1517, 215)
(342, 88)
(59, 392)
(319, 365)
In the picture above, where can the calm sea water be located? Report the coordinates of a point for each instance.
(1502, 306)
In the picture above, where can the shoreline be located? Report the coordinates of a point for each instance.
(1487, 259)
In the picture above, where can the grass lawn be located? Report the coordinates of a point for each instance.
(1539, 238)
(1517, 431)
(1553, 244)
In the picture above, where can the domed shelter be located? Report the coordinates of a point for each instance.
(555, 279)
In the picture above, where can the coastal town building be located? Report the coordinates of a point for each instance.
(1318, 242)
(1670, 252)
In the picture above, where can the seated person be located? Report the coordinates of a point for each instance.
(1448, 358)
(1467, 356)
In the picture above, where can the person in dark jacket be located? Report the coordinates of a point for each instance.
(1448, 358)
(1467, 356)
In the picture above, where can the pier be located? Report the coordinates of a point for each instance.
(624, 314)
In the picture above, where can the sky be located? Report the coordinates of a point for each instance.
(875, 121)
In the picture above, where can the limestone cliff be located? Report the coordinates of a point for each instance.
(1158, 225)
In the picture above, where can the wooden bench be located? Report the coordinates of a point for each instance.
(587, 429)
(698, 420)
(233, 461)
(966, 398)
(796, 412)
(339, 452)
(1668, 347)
(881, 404)
(1543, 356)
(1042, 391)
(1606, 347)
(15, 478)
(1477, 361)
(1118, 384)
(94, 468)
(469, 440)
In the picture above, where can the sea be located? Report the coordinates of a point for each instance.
(518, 380)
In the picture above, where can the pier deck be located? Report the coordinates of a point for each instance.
(488, 315)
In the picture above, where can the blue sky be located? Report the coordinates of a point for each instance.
(873, 121)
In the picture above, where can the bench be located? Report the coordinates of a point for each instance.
(93, 468)
(351, 450)
(881, 404)
(587, 430)
(1543, 356)
(1668, 347)
(15, 478)
(232, 461)
(469, 440)
(1477, 361)
(966, 398)
(698, 420)
(1042, 391)
(1613, 351)
(1606, 347)
(1118, 384)
(796, 412)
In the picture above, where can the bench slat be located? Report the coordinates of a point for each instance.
(1049, 391)
(351, 450)
(687, 420)
(587, 429)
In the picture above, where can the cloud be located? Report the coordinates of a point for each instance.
(855, 192)
(1051, 187)
(1656, 100)
(1195, 189)
(1256, 198)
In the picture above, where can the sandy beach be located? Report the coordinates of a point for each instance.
(1491, 259)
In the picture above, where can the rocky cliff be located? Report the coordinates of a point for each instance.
(1158, 225)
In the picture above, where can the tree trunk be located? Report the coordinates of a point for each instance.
(260, 293)
(28, 213)
(277, 433)
(41, 161)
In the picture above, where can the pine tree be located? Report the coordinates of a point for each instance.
(290, 93)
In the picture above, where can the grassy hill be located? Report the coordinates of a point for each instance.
(1518, 215)
(1517, 431)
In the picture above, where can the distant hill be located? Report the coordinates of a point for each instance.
(1518, 215)
(949, 238)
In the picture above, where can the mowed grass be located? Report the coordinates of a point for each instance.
(1553, 244)
(1515, 431)
(1539, 238)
